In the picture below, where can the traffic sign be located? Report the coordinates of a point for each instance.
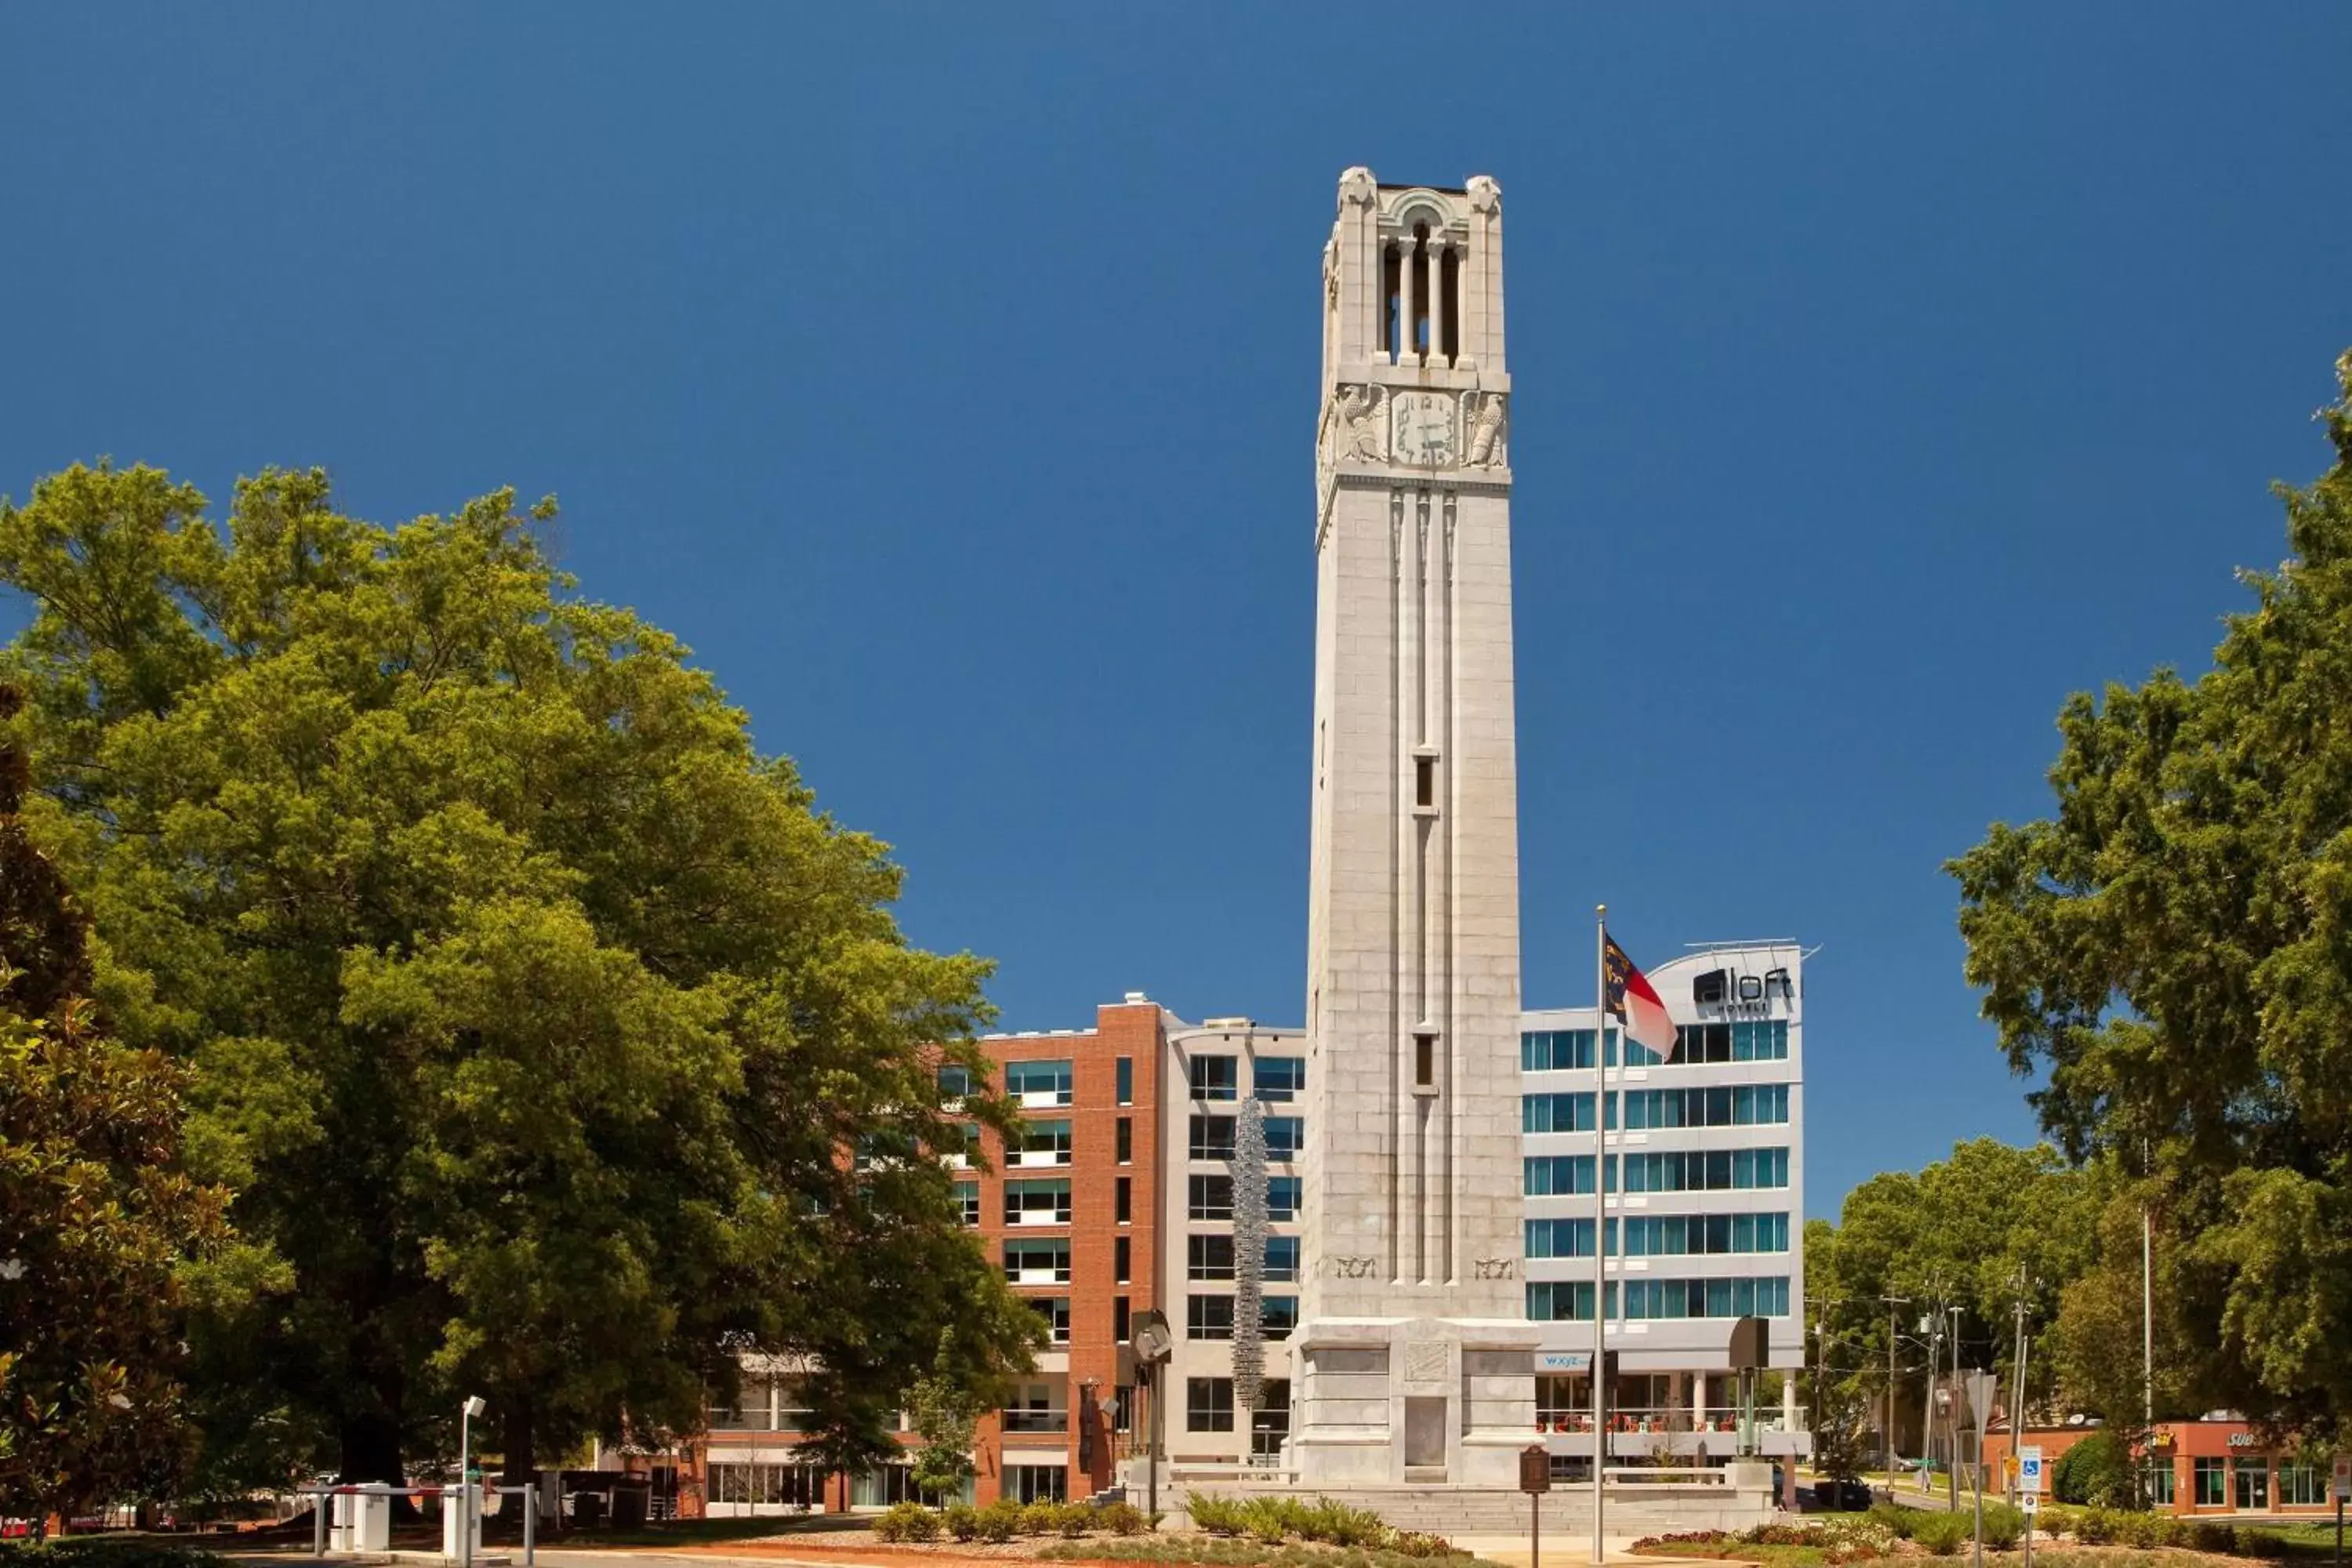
(2343, 1487)
(2029, 1469)
(2031, 1503)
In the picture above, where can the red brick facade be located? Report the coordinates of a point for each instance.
(2226, 1448)
(1087, 1452)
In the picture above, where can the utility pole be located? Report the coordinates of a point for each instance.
(2146, 1304)
(2017, 1383)
(1892, 1302)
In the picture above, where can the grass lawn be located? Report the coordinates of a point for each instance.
(681, 1531)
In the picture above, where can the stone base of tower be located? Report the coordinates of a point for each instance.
(1411, 1401)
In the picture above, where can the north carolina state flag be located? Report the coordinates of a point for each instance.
(1633, 1002)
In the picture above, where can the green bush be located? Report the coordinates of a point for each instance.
(1073, 1520)
(960, 1521)
(1124, 1519)
(1897, 1519)
(2095, 1470)
(907, 1522)
(1216, 1515)
(1417, 1543)
(1340, 1525)
(1941, 1533)
(1041, 1518)
(2209, 1535)
(1000, 1521)
(2004, 1526)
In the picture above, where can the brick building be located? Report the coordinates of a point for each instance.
(2208, 1468)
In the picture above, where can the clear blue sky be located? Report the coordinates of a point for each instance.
(946, 376)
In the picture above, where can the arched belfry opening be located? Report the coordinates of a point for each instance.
(1420, 276)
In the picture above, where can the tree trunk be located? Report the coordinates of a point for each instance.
(370, 1450)
(515, 1431)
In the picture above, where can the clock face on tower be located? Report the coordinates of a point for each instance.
(1424, 428)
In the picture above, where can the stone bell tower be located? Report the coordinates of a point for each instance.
(1414, 1359)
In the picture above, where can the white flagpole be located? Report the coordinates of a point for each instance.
(1600, 1219)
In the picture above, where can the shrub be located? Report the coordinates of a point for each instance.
(2095, 1470)
(2207, 1535)
(1941, 1533)
(1216, 1515)
(961, 1520)
(1340, 1525)
(2095, 1526)
(1041, 1518)
(1418, 1543)
(1895, 1517)
(907, 1522)
(1124, 1519)
(999, 1521)
(2004, 1526)
(1073, 1520)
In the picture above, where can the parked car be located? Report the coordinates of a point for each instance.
(1845, 1496)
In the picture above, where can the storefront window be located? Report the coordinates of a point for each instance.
(2301, 1486)
(2253, 1485)
(2212, 1488)
(2156, 1480)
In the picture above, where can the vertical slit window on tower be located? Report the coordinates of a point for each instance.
(1392, 284)
(1425, 1060)
(1450, 273)
(1424, 780)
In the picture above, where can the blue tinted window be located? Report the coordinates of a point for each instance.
(1283, 1196)
(1279, 1079)
(1285, 1136)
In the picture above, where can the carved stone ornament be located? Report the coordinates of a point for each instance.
(1485, 195)
(1493, 1268)
(1357, 188)
(1358, 425)
(1346, 1267)
(1489, 415)
(1424, 1364)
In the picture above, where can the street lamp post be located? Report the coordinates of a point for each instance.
(473, 1406)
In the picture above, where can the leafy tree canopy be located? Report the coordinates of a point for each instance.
(530, 1009)
(98, 1226)
(2172, 947)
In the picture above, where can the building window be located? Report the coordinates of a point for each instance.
(1122, 1200)
(1707, 1170)
(1285, 1137)
(1125, 1081)
(2301, 1486)
(1270, 1422)
(1121, 1252)
(1280, 1080)
(2253, 1485)
(1122, 1321)
(1212, 1197)
(753, 1410)
(2158, 1482)
(955, 1081)
(1215, 1078)
(1564, 1238)
(1209, 1316)
(1208, 1257)
(1763, 1040)
(770, 1486)
(1036, 1483)
(1284, 1195)
(1038, 1262)
(1043, 1143)
(1279, 1315)
(1562, 1175)
(1037, 1203)
(1282, 1259)
(1213, 1138)
(1208, 1403)
(1655, 1300)
(1566, 1112)
(2212, 1487)
(1565, 1300)
(1743, 1105)
(960, 1145)
(1123, 1141)
(1038, 1083)
(1055, 1311)
(967, 1201)
(1424, 1061)
(1674, 1236)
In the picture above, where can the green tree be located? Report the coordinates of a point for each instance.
(945, 1413)
(97, 1222)
(532, 1012)
(2172, 949)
